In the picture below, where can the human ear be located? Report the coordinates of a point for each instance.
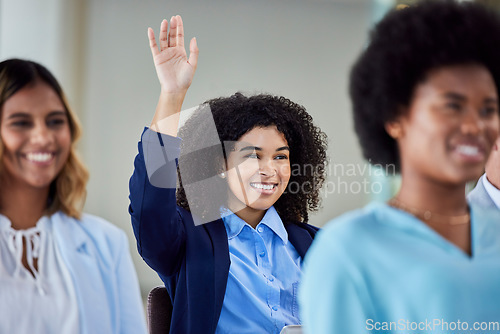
(222, 169)
(394, 129)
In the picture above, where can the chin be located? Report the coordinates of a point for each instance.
(257, 205)
(465, 177)
(259, 208)
(44, 183)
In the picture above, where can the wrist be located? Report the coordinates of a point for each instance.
(173, 93)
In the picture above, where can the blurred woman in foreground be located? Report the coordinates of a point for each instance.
(425, 97)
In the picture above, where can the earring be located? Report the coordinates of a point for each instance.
(222, 175)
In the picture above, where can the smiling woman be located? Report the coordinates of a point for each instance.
(425, 96)
(36, 136)
(56, 264)
(258, 172)
(229, 244)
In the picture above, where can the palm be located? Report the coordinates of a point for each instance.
(175, 71)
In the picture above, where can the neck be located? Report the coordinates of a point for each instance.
(445, 200)
(427, 194)
(251, 216)
(23, 205)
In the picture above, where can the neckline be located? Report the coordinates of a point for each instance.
(234, 224)
(6, 224)
(389, 215)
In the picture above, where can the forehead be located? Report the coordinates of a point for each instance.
(35, 98)
(264, 137)
(467, 80)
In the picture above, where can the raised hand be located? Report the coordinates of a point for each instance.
(175, 71)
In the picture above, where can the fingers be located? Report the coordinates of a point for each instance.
(152, 42)
(193, 53)
(180, 31)
(164, 35)
(172, 36)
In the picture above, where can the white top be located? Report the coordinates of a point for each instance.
(42, 302)
(491, 190)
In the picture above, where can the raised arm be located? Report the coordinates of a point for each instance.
(175, 72)
(158, 226)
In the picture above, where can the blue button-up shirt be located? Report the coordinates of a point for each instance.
(491, 190)
(261, 292)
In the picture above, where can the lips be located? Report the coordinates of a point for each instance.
(470, 152)
(39, 157)
(264, 188)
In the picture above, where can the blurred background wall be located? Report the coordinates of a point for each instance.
(99, 51)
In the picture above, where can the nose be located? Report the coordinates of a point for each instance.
(41, 135)
(267, 168)
(472, 123)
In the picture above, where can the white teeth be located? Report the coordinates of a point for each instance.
(262, 186)
(39, 157)
(468, 150)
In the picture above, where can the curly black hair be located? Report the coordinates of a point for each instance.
(234, 116)
(403, 48)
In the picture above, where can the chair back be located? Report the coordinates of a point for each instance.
(159, 311)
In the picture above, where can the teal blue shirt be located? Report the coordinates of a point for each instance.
(261, 293)
(381, 270)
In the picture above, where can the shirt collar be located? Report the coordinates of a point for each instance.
(234, 224)
(491, 190)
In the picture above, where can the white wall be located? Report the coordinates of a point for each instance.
(99, 51)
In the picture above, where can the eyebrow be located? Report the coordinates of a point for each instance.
(460, 97)
(256, 148)
(27, 115)
(455, 96)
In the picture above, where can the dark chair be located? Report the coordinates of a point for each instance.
(159, 311)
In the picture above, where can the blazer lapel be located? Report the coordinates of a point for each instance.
(79, 255)
(218, 235)
(300, 238)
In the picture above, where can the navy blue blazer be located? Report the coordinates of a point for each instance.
(193, 261)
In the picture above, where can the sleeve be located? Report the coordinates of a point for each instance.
(333, 296)
(131, 311)
(156, 221)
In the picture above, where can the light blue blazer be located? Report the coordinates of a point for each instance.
(97, 256)
(480, 197)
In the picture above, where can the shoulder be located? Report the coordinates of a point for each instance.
(351, 223)
(340, 247)
(297, 226)
(99, 230)
(341, 237)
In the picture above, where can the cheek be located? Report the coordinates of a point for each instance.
(243, 169)
(64, 141)
(235, 187)
(11, 142)
(284, 172)
(493, 128)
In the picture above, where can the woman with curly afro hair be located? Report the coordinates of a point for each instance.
(229, 244)
(425, 98)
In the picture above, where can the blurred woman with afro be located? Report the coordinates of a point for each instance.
(425, 100)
